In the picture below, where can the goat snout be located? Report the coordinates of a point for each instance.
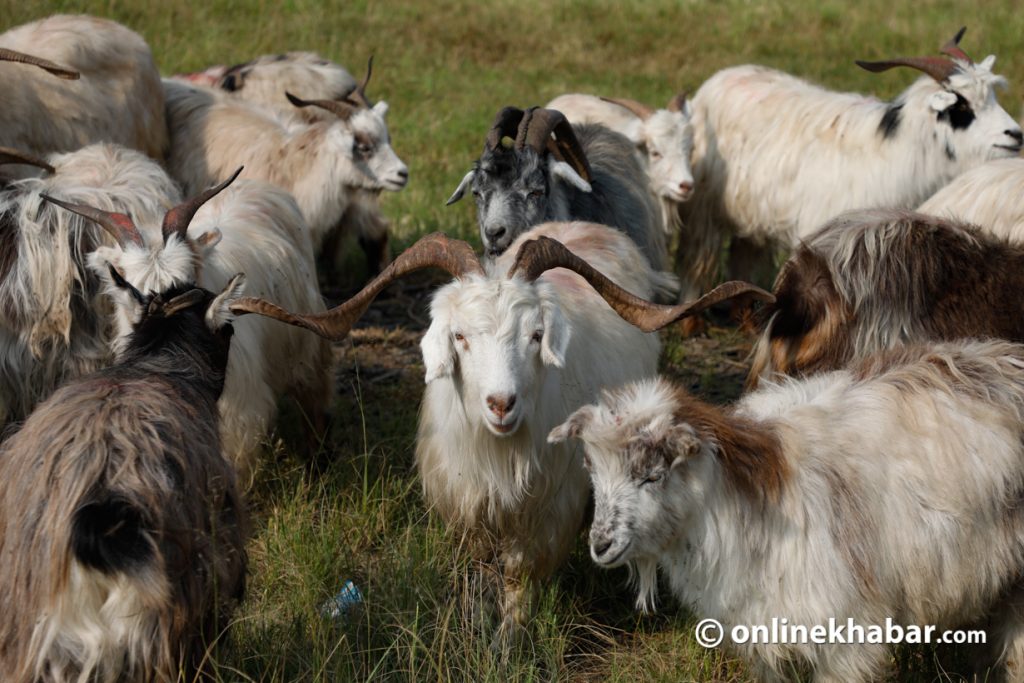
(1016, 134)
(685, 188)
(600, 544)
(501, 405)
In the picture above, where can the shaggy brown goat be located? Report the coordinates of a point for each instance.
(122, 531)
(879, 279)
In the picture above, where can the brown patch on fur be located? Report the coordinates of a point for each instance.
(850, 527)
(808, 323)
(750, 452)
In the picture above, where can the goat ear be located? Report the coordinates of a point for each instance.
(209, 239)
(556, 335)
(572, 427)
(381, 108)
(942, 100)
(118, 281)
(568, 174)
(461, 189)
(987, 63)
(219, 313)
(438, 352)
(683, 443)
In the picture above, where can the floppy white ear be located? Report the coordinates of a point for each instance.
(208, 240)
(461, 189)
(942, 100)
(557, 333)
(381, 108)
(572, 427)
(438, 352)
(567, 173)
(219, 314)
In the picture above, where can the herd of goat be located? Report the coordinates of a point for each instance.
(874, 469)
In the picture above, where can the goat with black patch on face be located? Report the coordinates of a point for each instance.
(775, 157)
(888, 490)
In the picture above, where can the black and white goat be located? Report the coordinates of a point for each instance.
(889, 490)
(554, 171)
(775, 156)
(122, 530)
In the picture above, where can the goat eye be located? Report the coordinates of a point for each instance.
(460, 337)
(536, 194)
(654, 477)
(537, 336)
(655, 155)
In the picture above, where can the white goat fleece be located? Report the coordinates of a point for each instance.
(253, 228)
(891, 489)
(118, 98)
(664, 143)
(551, 345)
(990, 196)
(327, 165)
(56, 325)
(776, 156)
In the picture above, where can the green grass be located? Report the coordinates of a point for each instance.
(446, 67)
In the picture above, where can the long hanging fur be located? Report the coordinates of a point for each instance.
(122, 530)
(887, 490)
(118, 98)
(875, 280)
(775, 156)
(985, 196)
(54, 325)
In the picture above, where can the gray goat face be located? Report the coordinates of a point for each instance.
(512, 193)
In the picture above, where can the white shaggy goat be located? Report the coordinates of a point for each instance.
(509, 352)
(888, 490)
(117, 99)
(877, 279)
(663, 137)
(122, 530)
(54, 323)
(775, 156)
(334, 167)
(990, 196)
(252, 228)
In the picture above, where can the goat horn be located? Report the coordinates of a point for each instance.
(638, 108)
(535, 132)
(952, 47)
(677, 103)
(938, 68)
(177, 219)
(13, 156)
(505, 124)
(178, 303)
(542, 254)
(360, 90)
(343, 107)
(119, 225)
(435, 250)
(55, 69)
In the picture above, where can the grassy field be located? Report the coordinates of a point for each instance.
(446, 67)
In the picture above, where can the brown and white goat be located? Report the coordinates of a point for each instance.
(890, 490)
(122, 531)
(874, 280)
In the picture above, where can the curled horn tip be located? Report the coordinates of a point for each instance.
(297, 101)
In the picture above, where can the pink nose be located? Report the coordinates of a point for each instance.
(500, 405)
(685, 187)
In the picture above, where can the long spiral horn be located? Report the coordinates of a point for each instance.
(542, 254)
(433, 251)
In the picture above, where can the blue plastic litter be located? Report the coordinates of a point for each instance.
(342, 603)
